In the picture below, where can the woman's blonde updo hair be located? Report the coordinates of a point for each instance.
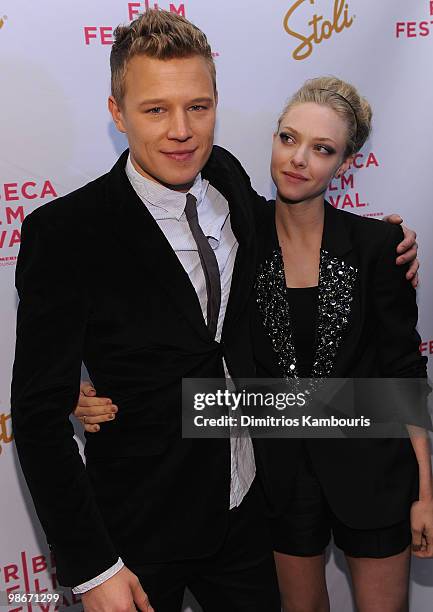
(345, 100)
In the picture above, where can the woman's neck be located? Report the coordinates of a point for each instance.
(301, 222)
(299, 230)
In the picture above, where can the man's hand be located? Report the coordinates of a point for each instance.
(120, 593)
(408, 249)
(92, 410)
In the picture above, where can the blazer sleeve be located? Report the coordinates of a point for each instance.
(259, 204)
(51, 328)
(397, 317)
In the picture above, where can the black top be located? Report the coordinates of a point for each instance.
(303, 313)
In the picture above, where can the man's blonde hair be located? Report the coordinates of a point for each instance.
(160, 35)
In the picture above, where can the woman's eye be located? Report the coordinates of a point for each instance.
(325, 150)
(286, 138)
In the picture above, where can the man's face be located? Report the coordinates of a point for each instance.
(168, 115)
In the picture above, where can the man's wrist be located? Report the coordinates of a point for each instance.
(100, 579)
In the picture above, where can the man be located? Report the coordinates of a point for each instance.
(175, 512)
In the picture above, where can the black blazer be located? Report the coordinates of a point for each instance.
(98, 282)
(366, 328)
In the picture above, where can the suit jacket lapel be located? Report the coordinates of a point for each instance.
(234, 188)
(140, 235)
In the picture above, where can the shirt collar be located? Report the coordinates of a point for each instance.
(160, 196)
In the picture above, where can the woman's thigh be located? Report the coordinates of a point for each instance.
(302, 583)
(381, 585)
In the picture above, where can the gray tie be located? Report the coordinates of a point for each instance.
(208, 263)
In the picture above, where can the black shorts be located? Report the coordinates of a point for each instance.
(305, 527)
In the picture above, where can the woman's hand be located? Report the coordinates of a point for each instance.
(92, 410)
(421, 519)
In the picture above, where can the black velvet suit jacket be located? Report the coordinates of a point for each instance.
(367, 316)
(98, 282)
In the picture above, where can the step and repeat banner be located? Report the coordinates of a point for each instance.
(56, 135)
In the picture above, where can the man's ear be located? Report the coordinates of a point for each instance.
(344, 166)
(116, 113)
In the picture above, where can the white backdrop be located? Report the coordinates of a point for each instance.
(56, 135)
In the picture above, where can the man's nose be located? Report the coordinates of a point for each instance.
(180, 128)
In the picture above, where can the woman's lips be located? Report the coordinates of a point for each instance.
(294, 178)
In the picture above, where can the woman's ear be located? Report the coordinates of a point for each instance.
(344, 166)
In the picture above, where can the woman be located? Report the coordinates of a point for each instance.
(337, 270)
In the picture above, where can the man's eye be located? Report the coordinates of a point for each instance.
(154, 111)
(198, 107)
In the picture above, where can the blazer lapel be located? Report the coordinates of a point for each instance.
(337, 279)
(139, 233)
(270, 292)
(234, 188)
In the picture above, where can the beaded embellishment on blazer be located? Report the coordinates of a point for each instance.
(336, 285)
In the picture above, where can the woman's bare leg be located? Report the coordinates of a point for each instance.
(381, 585)
(302, 583)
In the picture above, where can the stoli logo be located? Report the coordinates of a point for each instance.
(320, 28)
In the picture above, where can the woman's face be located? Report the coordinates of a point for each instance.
(308, 151)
